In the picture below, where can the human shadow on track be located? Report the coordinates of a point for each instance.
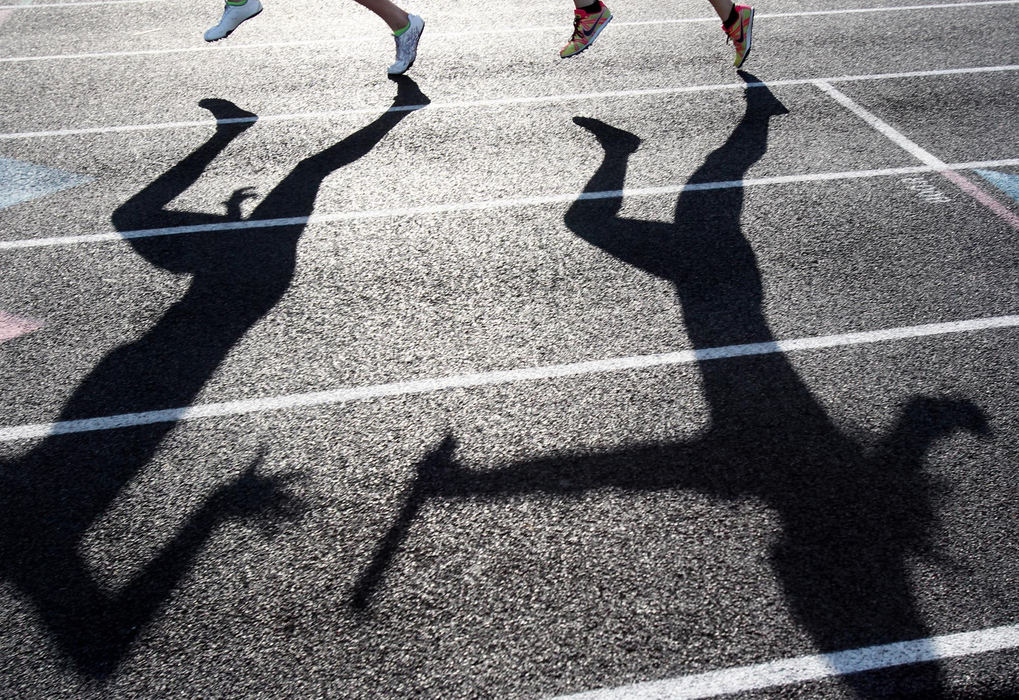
(851, 516)
(50, 497)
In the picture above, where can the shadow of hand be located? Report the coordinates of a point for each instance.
(437, 466)
(233, 203)
(260, 500)
(941, 415)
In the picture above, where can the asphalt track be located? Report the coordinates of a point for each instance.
(623, 376)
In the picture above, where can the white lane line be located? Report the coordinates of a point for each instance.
(466, 381)
(867, 10)
(810, 668)
(882, 127)
(509, 101)
(90, 3)
(482, 32)
(924, 156)
(485, 205)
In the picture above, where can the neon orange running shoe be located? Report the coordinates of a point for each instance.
(739, 33)
(586, 28)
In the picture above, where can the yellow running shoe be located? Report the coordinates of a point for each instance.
(586, 28)
(739, 33)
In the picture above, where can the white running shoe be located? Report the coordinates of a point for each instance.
(406, 46)
(233, 15)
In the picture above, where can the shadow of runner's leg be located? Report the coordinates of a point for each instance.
(55, 493)
(594, 216)
(147, 208)
(295, 195)
(849, 522)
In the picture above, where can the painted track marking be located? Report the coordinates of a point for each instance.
(924, 156)
(509, 101)
(816, 667)
(494, 378)
(483, 205)
(483, 32)
(12, 326)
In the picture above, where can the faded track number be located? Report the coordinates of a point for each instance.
(925, 190)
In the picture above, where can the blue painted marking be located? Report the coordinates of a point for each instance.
(20, 182)
(1009, 184)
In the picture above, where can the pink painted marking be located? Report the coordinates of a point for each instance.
(987, 200)
(6, 14)
(12, 326)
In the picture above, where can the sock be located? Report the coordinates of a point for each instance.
(398, 32)
(592, 8)
(733, 16)
(236, 3)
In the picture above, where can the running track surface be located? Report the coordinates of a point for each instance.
(623, 376)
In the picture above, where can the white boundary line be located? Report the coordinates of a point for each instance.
(810, 668)
(882, 127)
(466, 381)
(481, 32)
(508, 101)
(89, 3)
(484, 205)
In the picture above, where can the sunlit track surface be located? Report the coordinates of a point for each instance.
(623, 376)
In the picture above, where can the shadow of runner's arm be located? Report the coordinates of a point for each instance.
(147, 208)
(95, 628)
(426, 483)
(639, 468)
(897, 462)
